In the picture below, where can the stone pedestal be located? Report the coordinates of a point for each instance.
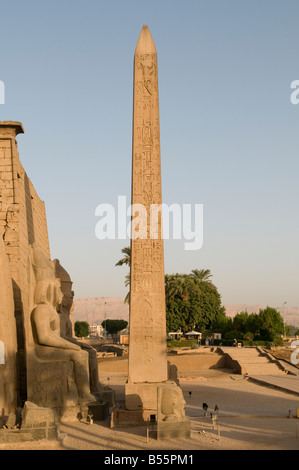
(141, 404)
(122, 418)
(173, 430)
(144, 396)
(37, 423)
(108, 396)
(98, 411)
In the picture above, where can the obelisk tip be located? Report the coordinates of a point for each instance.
(145, 42)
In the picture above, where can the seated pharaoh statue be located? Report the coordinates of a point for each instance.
(50, 346)
(65, 309)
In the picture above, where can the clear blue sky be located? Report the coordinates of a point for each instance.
(229, 133)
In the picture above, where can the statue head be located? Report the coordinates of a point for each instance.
(172, 404)
(47, 288)
(48, 292)
(43, 267)
(66, 286)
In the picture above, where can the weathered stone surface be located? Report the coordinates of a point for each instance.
(172, 422)
(40, 365)
(65, 309)
(148, 392)
(35, 423)
(52, 352)
(147, 350)
(173, 430)
(23, 221)
(99, 411)
(171, 403)
(121, 417)
(8, 338)
(142, 396)
(37, 416)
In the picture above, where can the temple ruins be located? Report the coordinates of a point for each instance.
(42, 367)
(46, 374)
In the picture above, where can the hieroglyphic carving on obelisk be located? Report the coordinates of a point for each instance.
(148, 352)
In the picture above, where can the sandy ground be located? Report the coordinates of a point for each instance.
(251, 417)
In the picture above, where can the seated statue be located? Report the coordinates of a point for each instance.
(65, 308)
(49, 345)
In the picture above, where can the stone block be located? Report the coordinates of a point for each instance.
(121, 417)
(98, 411)
(6, 175)
(5, 144)
(37, 423)
(109, 396)
(143, 396)
(52, 384)
(173, 429)
(37, 416)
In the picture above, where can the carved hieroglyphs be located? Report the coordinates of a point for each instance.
(147, 358)
(149, 390)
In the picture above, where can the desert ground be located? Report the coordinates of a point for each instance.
(251, 417)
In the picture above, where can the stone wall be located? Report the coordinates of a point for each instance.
(184, 363)
(23, 222)
(8, 338)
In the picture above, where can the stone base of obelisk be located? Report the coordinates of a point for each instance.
(144, 395)
(123, 418)
(143, 407)
(140, 405)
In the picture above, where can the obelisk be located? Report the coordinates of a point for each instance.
(147, 350)
(149, 392)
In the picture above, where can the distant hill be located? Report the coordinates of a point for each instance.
(93, 310)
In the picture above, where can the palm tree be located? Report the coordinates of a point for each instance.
(180, 285)
(202, 275)
(126, 260)
(127, 284)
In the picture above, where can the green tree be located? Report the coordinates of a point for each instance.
(192, 301)
(81, 329)
(221, 323)
(114, 326)
(209, 306)
(267, 325)
(240, 323)
(271, 323)
(127, 284)
(253, 324)
(127, 257)
(180, 285)
(249, 336)
(126, 260)
(179, 289)
(202, 275)
(288, 330)
(177, 312)
(232, 334)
